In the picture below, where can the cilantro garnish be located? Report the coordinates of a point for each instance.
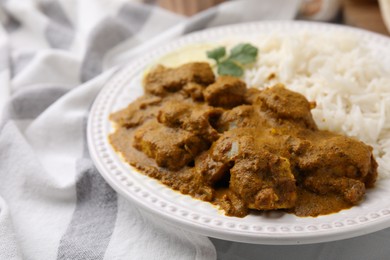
(240, 55)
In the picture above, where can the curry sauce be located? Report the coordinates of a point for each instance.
(240, 148)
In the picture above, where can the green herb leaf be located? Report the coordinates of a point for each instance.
(243, 53)
(228, 67)
(240, 55)
(217, 53)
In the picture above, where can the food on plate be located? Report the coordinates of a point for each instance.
(240, 148)
(233, 64)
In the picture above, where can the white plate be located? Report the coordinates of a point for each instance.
(201, 217)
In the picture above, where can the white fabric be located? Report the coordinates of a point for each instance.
(55, 56)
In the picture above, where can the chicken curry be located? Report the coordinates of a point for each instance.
(240, 148)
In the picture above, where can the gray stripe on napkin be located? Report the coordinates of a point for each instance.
(93, 220)
(59, 32)
(4, 57)
(54, 11)
(11, 24)
(30, 103)
(105, 36)
(134, 15)
(201, 20)
(150, 2)
(20, 62)
(111, 32)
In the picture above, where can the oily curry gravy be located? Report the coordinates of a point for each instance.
(240, 148)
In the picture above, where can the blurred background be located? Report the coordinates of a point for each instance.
(366, 14)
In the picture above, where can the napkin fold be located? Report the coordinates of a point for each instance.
(55, 56)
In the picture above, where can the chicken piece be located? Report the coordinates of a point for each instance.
(137, 112)
(193, 118)
(233, 205)
(215, 164)
(211, 171)
(226, 92)
(193, 90)
(338, 164)
(170, 148)
(264, 182)
(287, 104)
(252, 96)
(260, 178)
(242, 116)
(322, 183)
(162, 80)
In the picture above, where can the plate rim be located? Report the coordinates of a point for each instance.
(105, 163)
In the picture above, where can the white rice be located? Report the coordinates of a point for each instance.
(350, 85)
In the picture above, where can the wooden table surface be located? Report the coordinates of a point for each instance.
(364, 14)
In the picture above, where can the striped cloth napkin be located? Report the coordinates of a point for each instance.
(55, 56)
